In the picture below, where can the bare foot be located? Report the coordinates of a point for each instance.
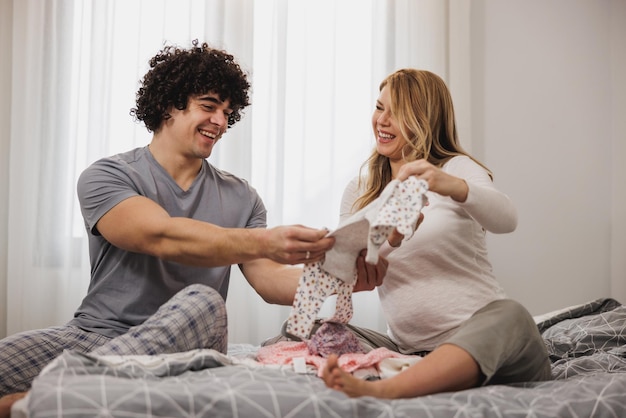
(447, 368)
(338, 379)
(7, 401)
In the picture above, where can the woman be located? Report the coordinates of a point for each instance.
(440, 297)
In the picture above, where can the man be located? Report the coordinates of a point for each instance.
(165, 226)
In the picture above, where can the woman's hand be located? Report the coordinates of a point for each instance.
(395, 238)
(438, 181)
(369, 276)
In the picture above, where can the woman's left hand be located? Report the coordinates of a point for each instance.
(369, 276)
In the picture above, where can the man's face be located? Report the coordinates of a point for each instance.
(198, 127)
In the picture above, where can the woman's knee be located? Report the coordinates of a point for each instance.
(512, 312)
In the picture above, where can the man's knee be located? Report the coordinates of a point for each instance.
(205, 300)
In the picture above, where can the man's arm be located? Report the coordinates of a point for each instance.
(138, 224)
(277, 283)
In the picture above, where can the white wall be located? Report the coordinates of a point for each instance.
(547, 105)
(618, 150)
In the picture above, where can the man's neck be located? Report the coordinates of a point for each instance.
(182, 168)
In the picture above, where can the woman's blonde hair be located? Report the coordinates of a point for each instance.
(422, 107)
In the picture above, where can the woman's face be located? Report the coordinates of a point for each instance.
(389, 139)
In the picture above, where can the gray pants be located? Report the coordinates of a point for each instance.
(193, 318)
(505, 342)
(502, 337)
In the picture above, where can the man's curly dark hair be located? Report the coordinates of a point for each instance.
(177, 74)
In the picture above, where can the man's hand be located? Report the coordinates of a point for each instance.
(369, 276)
(296, 244)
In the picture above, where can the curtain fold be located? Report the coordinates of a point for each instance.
(6, 29)
(315, 67)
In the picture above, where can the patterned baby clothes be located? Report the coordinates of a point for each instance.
(315, 286)
(333, 338)
(398, 206)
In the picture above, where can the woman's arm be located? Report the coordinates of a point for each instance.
(469, 184)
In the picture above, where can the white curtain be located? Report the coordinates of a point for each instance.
(68, 78)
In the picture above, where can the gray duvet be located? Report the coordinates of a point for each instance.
(587, 346)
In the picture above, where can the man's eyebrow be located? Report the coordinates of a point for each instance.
(212, 99)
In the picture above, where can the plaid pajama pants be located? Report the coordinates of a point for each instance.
(194, 318)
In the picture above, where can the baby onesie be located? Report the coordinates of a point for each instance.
(398, 206)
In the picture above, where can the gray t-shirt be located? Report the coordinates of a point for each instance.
(126, 288)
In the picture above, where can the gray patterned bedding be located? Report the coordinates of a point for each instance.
(587, 346)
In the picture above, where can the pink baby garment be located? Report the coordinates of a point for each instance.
(333, 338)
(284, 353)
(398, 206)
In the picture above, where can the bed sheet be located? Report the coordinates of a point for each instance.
(587, 347)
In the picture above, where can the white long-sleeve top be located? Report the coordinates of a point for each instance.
(442, 275)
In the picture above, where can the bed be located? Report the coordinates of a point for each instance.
(586, 343)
